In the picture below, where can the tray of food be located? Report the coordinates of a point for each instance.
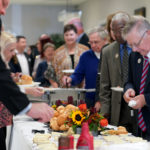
(117, 89)
(27, 81)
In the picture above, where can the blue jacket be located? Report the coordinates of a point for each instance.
(87, 68)
(42, 67)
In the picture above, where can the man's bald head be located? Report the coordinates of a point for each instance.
(78, 24)
(3, 6)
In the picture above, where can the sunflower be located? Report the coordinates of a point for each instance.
(77, 117)
(54, 106)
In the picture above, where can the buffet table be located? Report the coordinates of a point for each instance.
(22, 138)
(52, 94)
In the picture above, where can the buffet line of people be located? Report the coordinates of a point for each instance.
(113, 56)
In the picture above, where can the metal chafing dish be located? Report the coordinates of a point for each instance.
(53, 94)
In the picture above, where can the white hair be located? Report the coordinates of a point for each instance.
(141, 24)
(102, 32)
(6, 39)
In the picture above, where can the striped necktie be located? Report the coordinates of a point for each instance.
(141, 122)
(125, 65)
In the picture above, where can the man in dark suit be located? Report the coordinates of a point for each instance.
(82, 36)
(21, 62)
(137, 88)
(13, 99)
(112, 103)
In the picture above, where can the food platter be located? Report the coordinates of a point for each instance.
(70, 71)
(29, 85)
(117, 89)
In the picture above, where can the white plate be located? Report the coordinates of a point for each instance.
(105, 132)
(30, 85)
(111, 127)
(68, 71)
(118, 89)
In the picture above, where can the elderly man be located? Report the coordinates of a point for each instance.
(13, 99)
(137, 88)
(88, 65)
(114, 73)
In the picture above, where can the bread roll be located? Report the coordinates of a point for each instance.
(71, 107)
(60, 109)
(53, 124)
(26, 79)
(61, 119)
(56, 114)
(64, 127)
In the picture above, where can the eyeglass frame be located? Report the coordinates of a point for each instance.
(139, 42)
(94, 42)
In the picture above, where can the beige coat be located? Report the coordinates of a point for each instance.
(62, 60)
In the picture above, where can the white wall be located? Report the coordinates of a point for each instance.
(32, 21)
(96, 11)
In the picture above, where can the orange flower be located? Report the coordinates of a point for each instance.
(82, 107)
(103, 122)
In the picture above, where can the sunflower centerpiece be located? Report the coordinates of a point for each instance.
(77, 117)
(94, 119)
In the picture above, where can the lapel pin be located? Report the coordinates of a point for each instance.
(139, 61)
(117, 55)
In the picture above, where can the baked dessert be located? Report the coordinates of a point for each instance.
(120, 130)
(26, 79)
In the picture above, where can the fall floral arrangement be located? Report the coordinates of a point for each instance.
(95, 120)
(62, 102)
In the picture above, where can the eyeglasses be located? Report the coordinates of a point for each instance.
(139, 42)
(94, 42)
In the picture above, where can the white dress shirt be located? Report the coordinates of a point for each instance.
(23, 63)
(148, 55)
(97, 55)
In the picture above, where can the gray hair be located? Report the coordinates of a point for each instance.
(121, 16)
(141, 24)
(102, 32)
(48, 45)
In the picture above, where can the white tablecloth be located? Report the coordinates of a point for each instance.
(22, 133)
(22, 137)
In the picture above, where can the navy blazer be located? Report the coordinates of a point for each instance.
(84, 40)
(42, 67)
(15, 66)
(134, 79)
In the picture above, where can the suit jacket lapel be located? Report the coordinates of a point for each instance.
(16, 62)
(139, 69)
